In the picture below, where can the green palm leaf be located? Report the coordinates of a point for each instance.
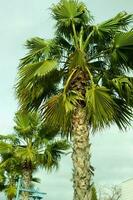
(26, 123)
(30, 96)
(55, 112)
(39, 49)
(53, 152)
(37, 69)
(100, 106)
(58, 109)
(122, 49)
(124, 86)
(26, 154)
(108, 28)
(11, 191)
(67, 12)
(123, 114)
(39, 73)
(5, 148)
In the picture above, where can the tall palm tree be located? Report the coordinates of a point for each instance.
(80, 80)
(30, 148)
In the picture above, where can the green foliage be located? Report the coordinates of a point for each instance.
(39, 49)
(122, 49)
(124, 86)
(108, 29)
(31, 151)
(69, 12)
(83, 68)
(100, 106)
(94, 194)
(84, 65)
(11, 191)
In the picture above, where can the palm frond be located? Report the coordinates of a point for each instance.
(39, 49)
(48, 132)
(5, 148)
(26, 123)
(100, 106)
(124, 87)
(52, 153)
(11, 191)
(40, 69)
(9, 138)
(58, 109)
(122, 49)
(54, 112)
(26, 155)
(67, 12)
(123, 115)
(107, 29)
(2, 178)
(37, 74)
(32, 95)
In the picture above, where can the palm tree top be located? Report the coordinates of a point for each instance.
(85, 65)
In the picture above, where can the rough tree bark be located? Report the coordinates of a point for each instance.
(81, 156)
(26, 184)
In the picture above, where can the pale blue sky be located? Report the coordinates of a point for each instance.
(112, 151)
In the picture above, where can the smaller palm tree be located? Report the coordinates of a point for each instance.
(32, 146)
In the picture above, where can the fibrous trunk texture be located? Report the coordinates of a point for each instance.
(81, 157)
(26, 184)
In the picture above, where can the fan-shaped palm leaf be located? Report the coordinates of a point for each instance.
(39, 49)
(55, 112)
(68, 12)
(123, 114)
(122, 49)
(26, 123)
(124, 86)
(32, 97)
(58, 110)
(52, 153)
(40, 69)
(107, 29)
(5, 148)
(100, 105)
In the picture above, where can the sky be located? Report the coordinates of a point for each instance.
(112, 150)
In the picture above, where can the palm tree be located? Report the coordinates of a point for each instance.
(80, 80)
(30, 148)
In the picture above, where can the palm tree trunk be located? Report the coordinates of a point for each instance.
(26, 184)
(81, 157)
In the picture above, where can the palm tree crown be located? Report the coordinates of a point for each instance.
(89, 61)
